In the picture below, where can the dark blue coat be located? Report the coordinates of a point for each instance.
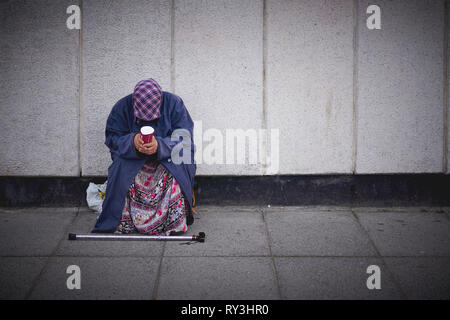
(121, 128)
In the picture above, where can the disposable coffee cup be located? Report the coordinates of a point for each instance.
(147, 133)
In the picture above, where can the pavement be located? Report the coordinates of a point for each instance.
(311, 252)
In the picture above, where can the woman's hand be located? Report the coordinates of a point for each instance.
(146, 148)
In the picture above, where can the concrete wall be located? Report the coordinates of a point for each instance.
(309, 69)
(218, 69)
(123, 42)
(39, 91)
(344, 98)
(400, 88)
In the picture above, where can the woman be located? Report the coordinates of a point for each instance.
(148, 192)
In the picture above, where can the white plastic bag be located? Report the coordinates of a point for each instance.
(95, 194)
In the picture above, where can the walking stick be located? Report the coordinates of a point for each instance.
(201, 237)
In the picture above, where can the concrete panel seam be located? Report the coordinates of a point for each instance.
(272, 260)
(264, 89)
(80, 90)
(445, 92)
(378, 253)
(51, 255)
(158, 273)
(172, 45)
(355, 85)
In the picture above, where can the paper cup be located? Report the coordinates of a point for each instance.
(147, 133)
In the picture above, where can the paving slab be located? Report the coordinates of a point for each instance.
(230, 231)
(84, 223)
(407, 232)
(332, 278)
(318, 253)
(217, 278)
(422, 278)
(33, 231)
(17, 275)
(101, 278)
(309, 232)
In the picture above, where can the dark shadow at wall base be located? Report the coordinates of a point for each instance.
(346, 190)
(358, 190)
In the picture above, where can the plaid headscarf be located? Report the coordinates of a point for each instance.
(147, 98)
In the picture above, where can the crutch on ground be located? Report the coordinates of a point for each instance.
(201, 237)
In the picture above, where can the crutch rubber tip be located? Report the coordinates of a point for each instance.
(201, 237)
(72, 236)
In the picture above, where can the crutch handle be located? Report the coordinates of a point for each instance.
(72, 236)
(200, 237)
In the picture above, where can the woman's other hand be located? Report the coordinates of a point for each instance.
(146, 148)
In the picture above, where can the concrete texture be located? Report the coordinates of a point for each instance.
(332, 278)
(37, 231)
(315, 232)
(400, 88)
(218, 72)
(217, 278)
(101, 278)
(245, 232)
(407, 233)
(295, 253)
(39, 89)
(309, 70)
(447, 87)
(344, 102)
(17, 275)
(422, 278)
(123, 42)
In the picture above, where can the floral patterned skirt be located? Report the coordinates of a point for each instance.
(154, 203)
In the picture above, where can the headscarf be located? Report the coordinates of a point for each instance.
(147, 98)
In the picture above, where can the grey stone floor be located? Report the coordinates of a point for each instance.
(313, 252)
